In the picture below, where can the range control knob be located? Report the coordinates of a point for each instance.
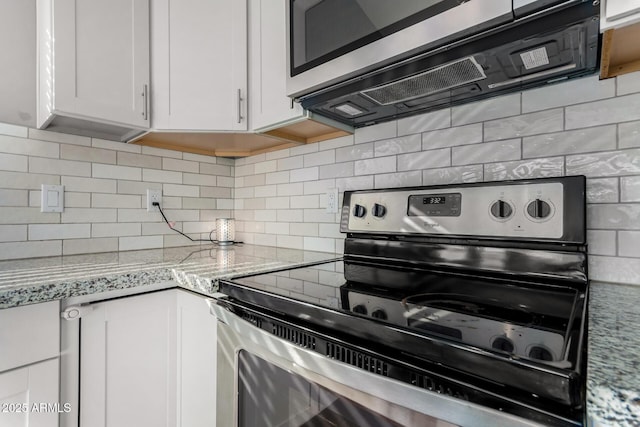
(359, 211)
(540, 353)
(379, 210)
(538, 209)
(379, 314)
(360, 309)
(503, 344)
(501, 209)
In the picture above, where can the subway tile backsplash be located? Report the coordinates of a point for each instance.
(584, 126)
(105, 194)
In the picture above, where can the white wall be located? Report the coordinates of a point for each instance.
(581, 127)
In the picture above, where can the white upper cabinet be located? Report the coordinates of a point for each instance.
(618, 13)
(199, 64)
(18, 62)
(93, 65)
(268, 65)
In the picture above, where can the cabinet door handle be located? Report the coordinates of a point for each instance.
(239, 106)
(145, 102)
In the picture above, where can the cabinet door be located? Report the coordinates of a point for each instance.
(268, 64)
(18, 62)
(101, 60)
(29, 396)
(196, 362)
(128, 362)
(29, 334)
(199, 66)
(616, 14)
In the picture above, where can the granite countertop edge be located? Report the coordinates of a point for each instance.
(60, 278)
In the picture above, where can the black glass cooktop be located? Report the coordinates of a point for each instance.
(508, 318)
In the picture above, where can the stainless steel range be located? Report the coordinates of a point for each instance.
(454, 305)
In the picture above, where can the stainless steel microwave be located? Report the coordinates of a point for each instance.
(356, 45)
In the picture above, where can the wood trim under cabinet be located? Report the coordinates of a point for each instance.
(241, 144)
(213, 144)
(620, 51)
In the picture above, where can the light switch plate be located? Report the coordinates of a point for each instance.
(52, 198)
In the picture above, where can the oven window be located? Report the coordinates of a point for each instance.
(325, 29)
(269, 396)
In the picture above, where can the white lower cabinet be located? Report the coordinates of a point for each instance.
(148, 360)
(29, 366)
(29, 396)
(197, 337)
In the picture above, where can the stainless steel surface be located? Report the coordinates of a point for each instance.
(225, 231)
(475, 216)
(517, 4)
(390, 398)
(527, 6)
(471, 14)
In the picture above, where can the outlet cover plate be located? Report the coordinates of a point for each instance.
(332, 200)
(153, 196)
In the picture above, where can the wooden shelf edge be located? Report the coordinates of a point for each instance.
(620, 52)
(326, 136)
(213, 152)
(605, 55)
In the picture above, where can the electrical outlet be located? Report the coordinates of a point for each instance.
(332, 200)
(153, 196)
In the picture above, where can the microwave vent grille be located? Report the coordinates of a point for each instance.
(454, 74)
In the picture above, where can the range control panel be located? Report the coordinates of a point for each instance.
(521, 209)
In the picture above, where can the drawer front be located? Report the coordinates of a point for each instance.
(29, 334)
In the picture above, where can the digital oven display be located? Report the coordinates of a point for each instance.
(440, 200)
(447, 204)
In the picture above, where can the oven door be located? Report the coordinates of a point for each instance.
(265, 380)
(333, 40)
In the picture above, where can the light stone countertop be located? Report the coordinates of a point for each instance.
(195, 268)
(613, 374)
